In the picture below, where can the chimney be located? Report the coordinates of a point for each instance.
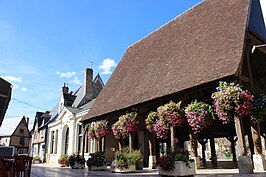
(65, 88)
(88, 81)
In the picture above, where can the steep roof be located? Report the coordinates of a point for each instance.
(201, 45)
(5, 96)
(9, 126)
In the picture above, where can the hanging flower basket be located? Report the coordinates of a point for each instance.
(199, 116)
(167, 115)
(231, 99)
(125, 125)
(99, 130)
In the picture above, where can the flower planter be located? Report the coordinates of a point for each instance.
(131, 168)
(78, 165)
(98, 168)
(181, 169)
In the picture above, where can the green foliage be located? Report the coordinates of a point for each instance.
(96, 159)
(63, 160)
(36, 158)
(75, 158)
(126, 157)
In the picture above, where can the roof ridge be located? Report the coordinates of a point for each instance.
(166, 23)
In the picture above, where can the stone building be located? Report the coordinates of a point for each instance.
(64, 128)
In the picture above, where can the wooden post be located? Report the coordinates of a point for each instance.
(194, 148)
(119, 144)
(240, 135)
(255, 131)
(130, 141)
(213, 150)
(203, 145)
(152, 151)
(213, 153)
(172, 137)
(258, 157)
(103, 144)
(244, 162)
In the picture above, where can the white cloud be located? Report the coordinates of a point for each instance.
(12, 78)
(67, 74)
(75, 80)
(70, 75)
(106, 65)
(24, 89)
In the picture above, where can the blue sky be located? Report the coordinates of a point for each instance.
(44, 44)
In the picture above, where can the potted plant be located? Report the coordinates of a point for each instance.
(97, 161)
(125, 160)
(76, 161)
(63, 161)
(176, 163)
(36, 160)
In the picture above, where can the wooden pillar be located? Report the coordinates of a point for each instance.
(103, 144)
(130, 143)
(194, 148)
(213, 153)
(240, 135)
(98, 145)
(244, 162)
(255, 131)
(172, 137)
(203, 149)
(152, 151)
(258, 157)
(213, 150)
(119, 144)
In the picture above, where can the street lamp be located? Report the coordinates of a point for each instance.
(257, 46)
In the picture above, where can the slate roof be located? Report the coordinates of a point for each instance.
(201, 45)
(9, 126)
(76, 101)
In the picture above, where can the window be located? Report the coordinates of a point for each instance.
(67, 141)
(79, 138)
(52, 142)
(56, 141)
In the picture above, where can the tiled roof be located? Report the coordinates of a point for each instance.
(201, 45)
(5, 96)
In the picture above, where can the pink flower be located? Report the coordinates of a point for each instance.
(175, 140)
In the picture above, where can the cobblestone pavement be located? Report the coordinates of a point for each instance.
(42, 170)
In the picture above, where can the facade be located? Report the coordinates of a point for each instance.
(183, 60)
(65, 129)
(39, 135)
(15, 132)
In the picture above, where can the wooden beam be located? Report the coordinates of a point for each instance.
(244, 78)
